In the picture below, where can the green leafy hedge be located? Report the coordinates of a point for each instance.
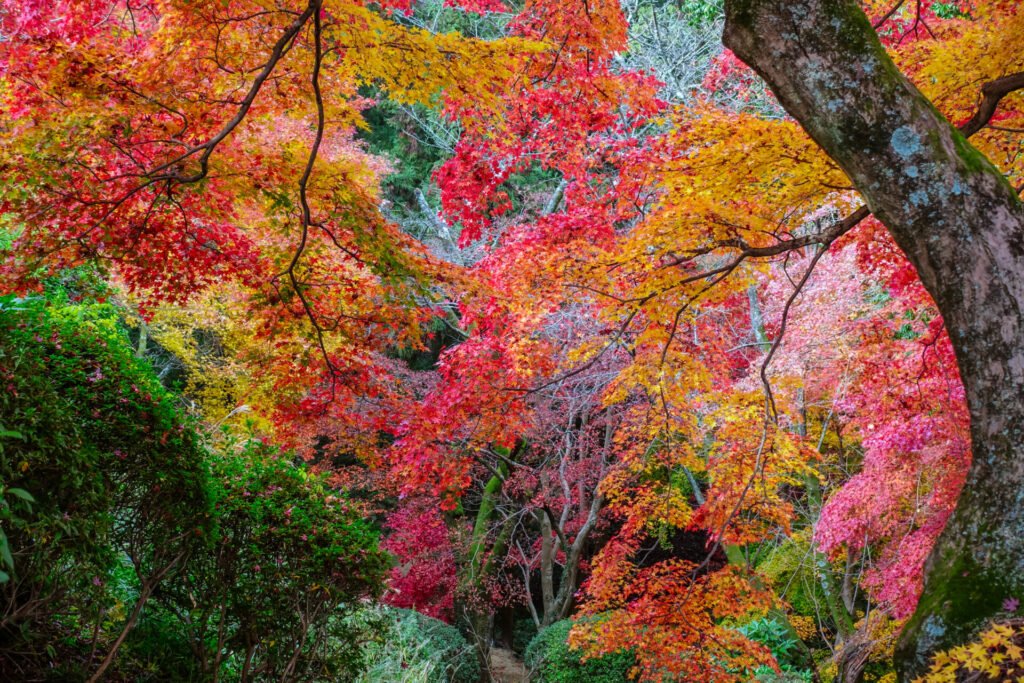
(103, 451)
(129, 543)
(413, 648)
(551, 660)
(288, 559)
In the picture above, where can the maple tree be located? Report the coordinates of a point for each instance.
(594, 319)
(162, 163)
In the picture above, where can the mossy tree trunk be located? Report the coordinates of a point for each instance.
(962, 226)
(487, 549)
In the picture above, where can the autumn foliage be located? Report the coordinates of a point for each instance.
(638, 313)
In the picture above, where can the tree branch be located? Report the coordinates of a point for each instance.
(991, 94)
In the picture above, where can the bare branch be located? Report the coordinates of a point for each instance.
(991, 94)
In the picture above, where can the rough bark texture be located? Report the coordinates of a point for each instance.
(962, 226)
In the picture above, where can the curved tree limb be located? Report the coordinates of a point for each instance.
(962, 226)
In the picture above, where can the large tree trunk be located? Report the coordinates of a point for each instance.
(962, 226)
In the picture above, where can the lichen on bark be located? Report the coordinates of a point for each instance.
(962, 227)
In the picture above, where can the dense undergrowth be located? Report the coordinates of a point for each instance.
(137, 544)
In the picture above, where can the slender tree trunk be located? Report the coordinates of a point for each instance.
(221, 630)
(479, 566)
(144, 593)
(307, 617)
(962, 226)
(547, 568)
(247, 663)
(140, 349)
(148, 585)
(757, 319)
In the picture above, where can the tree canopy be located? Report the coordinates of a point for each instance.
(684, 336)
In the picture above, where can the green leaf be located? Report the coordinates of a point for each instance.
(5, 551)
(21, 493)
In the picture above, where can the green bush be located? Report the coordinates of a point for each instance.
(766, 674)
(776, 637)
(787, 567)
(523, 632)
(112, 467)
(118, 518)
(552, 661)
(288, 560)
(413, 648)
(158, 650)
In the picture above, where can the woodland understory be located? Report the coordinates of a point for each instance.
(562, 341)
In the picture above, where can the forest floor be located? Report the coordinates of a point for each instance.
(506, 667)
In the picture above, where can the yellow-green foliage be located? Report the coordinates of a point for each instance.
(997, 654)
(790, 568)
(210, 342)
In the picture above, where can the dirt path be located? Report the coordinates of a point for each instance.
(506, 667)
